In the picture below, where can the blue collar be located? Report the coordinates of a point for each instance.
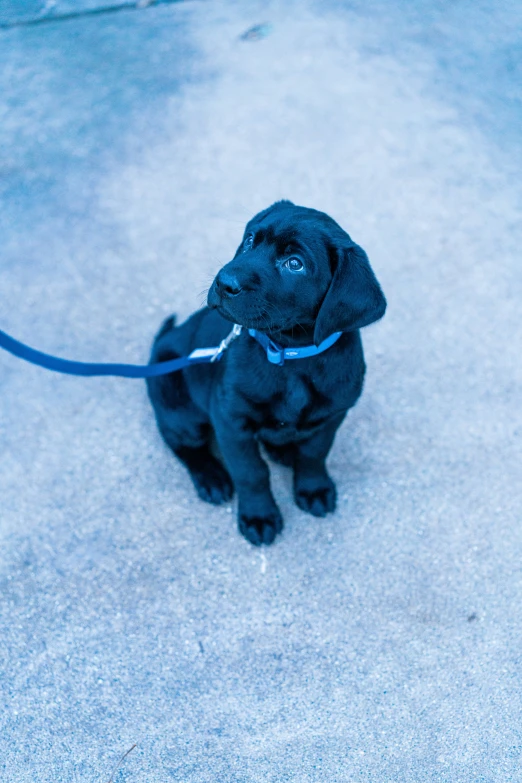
(276, 354)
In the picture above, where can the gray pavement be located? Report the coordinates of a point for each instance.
(383, 643)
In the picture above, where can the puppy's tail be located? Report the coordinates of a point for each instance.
(166, 326)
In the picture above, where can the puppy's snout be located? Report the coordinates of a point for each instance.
(228, 284)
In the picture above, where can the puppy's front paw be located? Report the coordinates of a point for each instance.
(316, 497)
(260, 529)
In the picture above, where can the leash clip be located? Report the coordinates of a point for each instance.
(223, 345)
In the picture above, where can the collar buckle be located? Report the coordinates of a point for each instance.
(275, 354)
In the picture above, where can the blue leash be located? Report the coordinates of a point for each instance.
(199, 356)
(276, 354)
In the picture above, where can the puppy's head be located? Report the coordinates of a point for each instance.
(297, 270)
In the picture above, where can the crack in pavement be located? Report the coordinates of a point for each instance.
(135, 5)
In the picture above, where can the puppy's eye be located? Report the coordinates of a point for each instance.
(294, 264)
(248, 242)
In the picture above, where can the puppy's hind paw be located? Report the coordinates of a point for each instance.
(260, 529)
(318, 501)
(213, 485)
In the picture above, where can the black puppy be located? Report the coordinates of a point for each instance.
(296, 280)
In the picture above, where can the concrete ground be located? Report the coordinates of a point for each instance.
(380, 644)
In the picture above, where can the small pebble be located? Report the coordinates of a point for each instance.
(256, 32)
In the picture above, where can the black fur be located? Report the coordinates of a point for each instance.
(243, 401)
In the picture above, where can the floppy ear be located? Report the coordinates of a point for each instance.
(354, 298)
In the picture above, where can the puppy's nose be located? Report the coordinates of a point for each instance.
(228, 284)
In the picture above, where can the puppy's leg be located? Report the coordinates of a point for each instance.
(259, 518)
(187, 430)
(283, 455)
(314, 490)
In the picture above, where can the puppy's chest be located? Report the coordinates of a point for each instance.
(298, 406)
